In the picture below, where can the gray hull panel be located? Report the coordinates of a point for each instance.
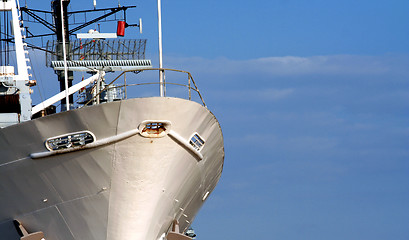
(131, 189)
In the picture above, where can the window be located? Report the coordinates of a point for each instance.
(197, 141)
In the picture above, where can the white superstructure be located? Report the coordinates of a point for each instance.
(16, 81)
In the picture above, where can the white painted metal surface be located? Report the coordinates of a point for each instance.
(131, 189)
(161, 73)
(7, 119)
(185, 143)
(103, 65)
(96, 35)
(10, 5)
(98, 143)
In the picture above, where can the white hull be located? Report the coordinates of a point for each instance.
(133, 188)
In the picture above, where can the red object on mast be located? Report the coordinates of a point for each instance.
(120, 30)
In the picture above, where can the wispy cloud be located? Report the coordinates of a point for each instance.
(294, 65)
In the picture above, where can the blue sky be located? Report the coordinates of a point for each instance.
(313, 100)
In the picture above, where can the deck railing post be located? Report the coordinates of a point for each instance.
(126, 95)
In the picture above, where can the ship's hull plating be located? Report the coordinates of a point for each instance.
(131, 189)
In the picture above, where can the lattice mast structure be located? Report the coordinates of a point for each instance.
(98, 52)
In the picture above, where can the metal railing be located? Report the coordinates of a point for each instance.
(191, 85)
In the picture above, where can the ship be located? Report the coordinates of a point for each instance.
(112, 167)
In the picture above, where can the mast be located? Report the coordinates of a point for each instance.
(61, 23)
(63, 53)
(161, 72)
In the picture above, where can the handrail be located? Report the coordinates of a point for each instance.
(73, 89)
(190, 81)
